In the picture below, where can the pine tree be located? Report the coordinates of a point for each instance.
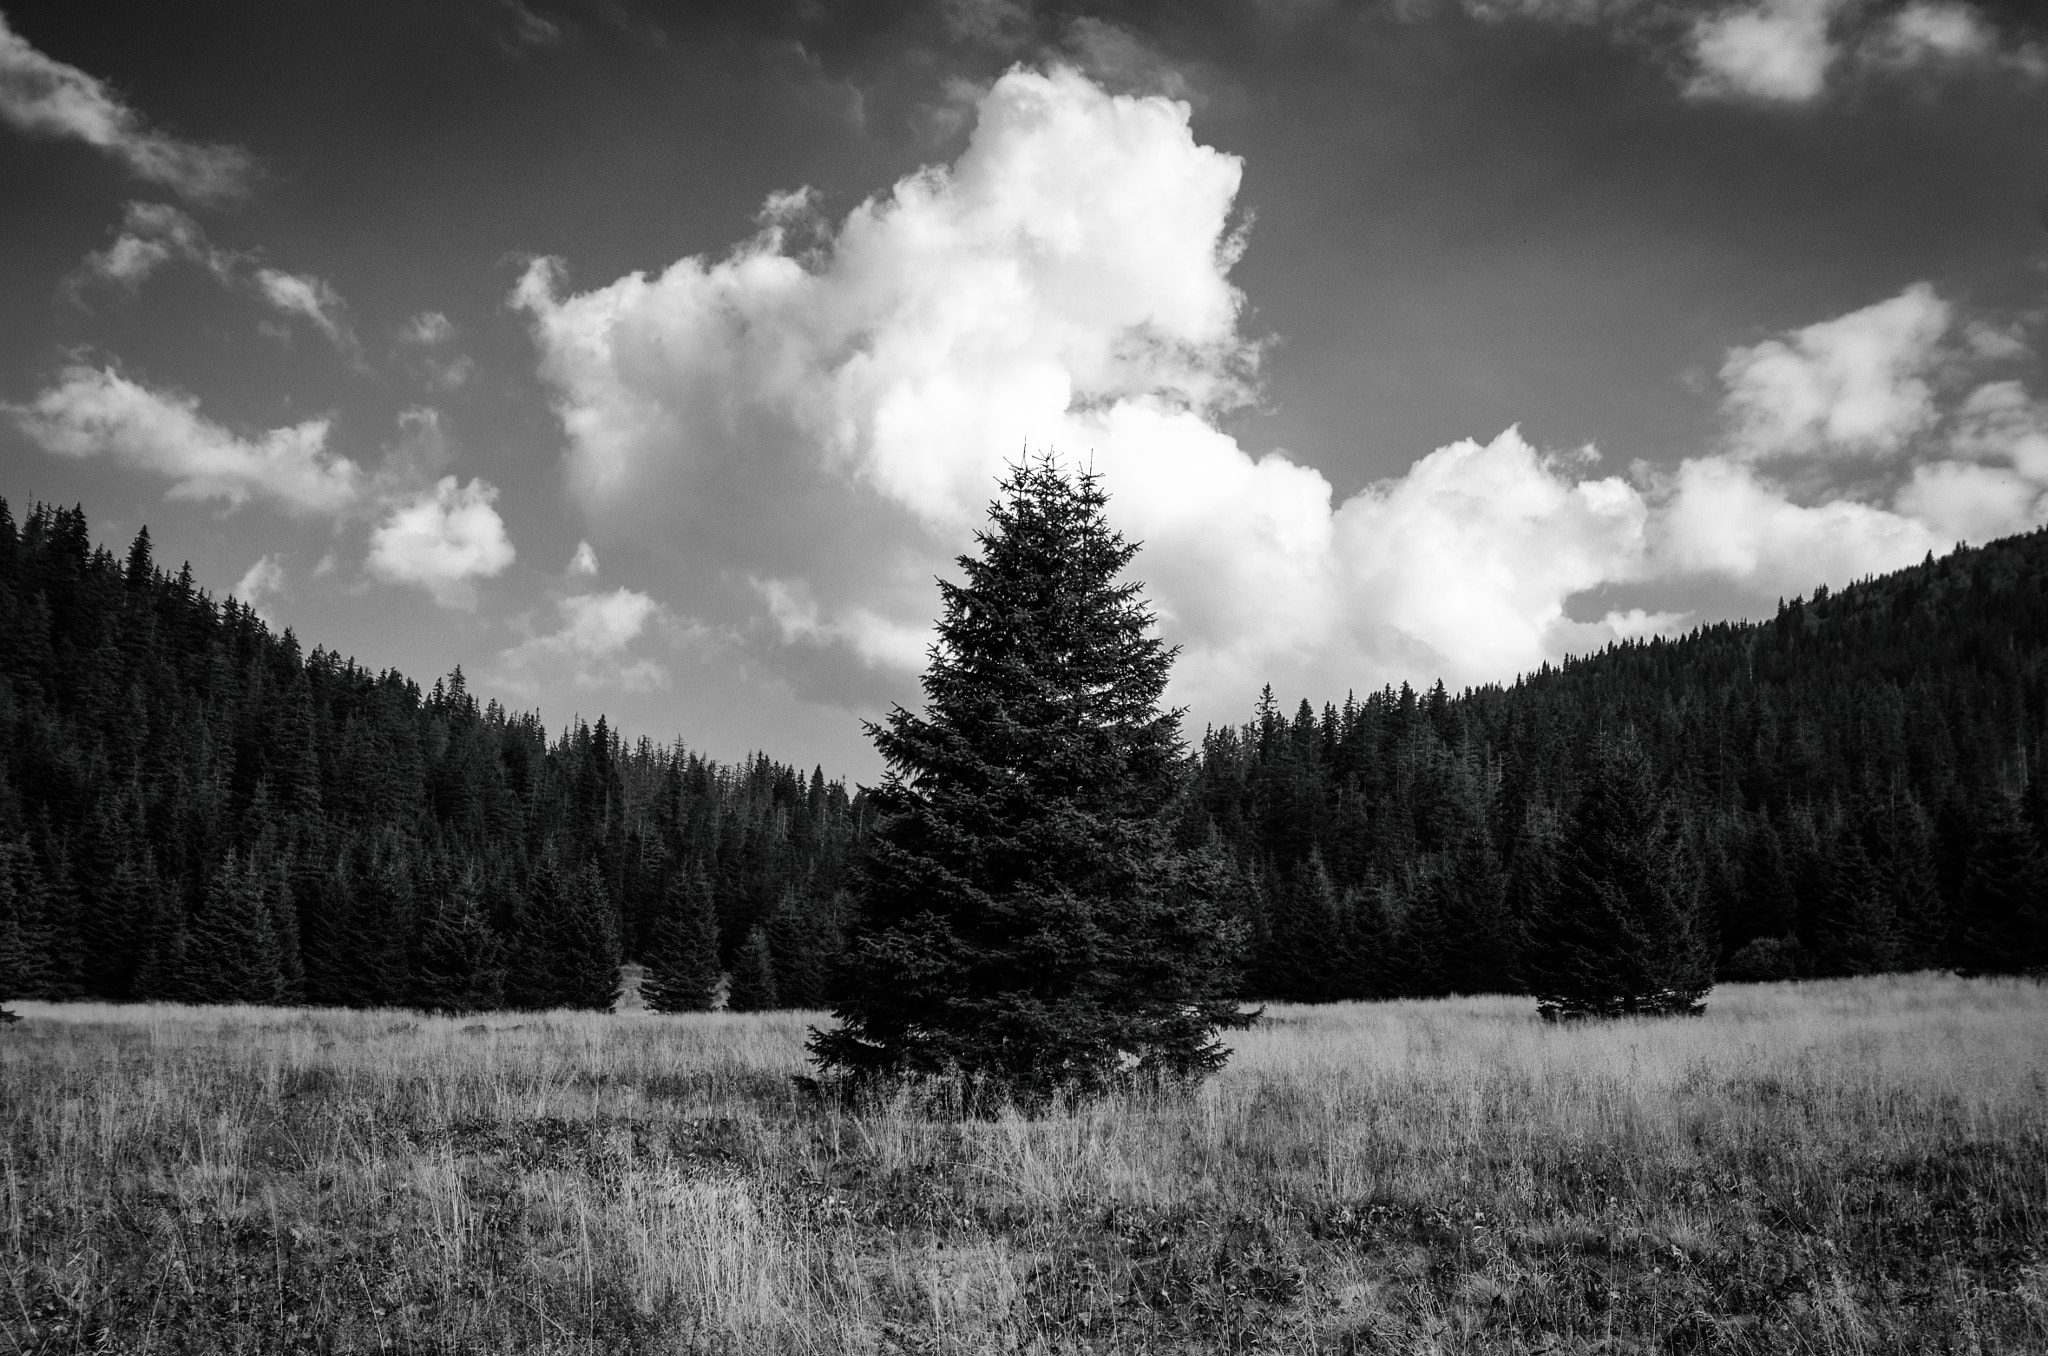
(682, 965)
(568, 943)
(1911, 877)
(753, 977)
(1857, 934)
(587, 947)
(160, 972)
(21, 934)
(529, 973)
(2002, 916)
(284, 922)
(1767, 907)
(63, 959)
(232, 955)
(1471, 893)
(1368, 944)
(797, 943)
(1303, 959)
(1024, 917)
(458, 969)
(325, 895)
(1423, 941)
(1531, 890)
(378, 931)
(1622, 933)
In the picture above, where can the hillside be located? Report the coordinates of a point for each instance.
(193, 809)
(1859, 780)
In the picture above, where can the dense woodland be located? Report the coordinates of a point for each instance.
(193, 809)
(1853, 786)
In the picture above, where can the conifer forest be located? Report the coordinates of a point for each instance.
(194, 808)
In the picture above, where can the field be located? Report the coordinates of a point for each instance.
(1845, 1167)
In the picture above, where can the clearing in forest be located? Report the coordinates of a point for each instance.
(1825, 1167)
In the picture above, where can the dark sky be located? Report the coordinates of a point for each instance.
(1286, 272)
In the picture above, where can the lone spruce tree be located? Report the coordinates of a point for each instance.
(1024, 919)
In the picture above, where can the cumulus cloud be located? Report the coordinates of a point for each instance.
(584, 561)
(1777, 50)
(824, 429)
(807, 435)
(41, 96)
(1857, 383)
(1998, 478)
(1924, 32)
(1722, 517)
(93, 412)
(1894, 391)
(260, 582)
(2000, 422)
(1789, 51)
(155, 234)
(442, 539)
(591, 646)
(1474, 552)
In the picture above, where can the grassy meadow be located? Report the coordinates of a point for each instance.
(1858, 1166)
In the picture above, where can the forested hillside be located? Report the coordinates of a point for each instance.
(191, 808)
(1856, 785)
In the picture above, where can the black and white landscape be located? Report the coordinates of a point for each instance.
(966, 676)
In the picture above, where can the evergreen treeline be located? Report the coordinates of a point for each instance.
(191, 809)
(1853, 786)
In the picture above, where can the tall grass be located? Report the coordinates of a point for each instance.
(1844, 1167)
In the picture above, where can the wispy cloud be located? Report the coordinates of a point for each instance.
(431, 337)
(528, 27)
(97, 411)
(154, 235)
(312, 299)
(591, 647)
(41, 96)
(438, 535)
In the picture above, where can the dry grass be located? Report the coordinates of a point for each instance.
(1851, 1167)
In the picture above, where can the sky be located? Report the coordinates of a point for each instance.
(655, 361)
